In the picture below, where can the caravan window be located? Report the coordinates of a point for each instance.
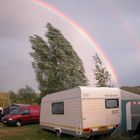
(112, 103)
(58, 108)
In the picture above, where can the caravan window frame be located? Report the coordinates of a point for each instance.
(108, 106)
(58, 108)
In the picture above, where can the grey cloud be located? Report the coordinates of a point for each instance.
(127, 7)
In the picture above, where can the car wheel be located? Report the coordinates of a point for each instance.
(18, 123)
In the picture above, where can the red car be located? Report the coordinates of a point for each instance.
(23, 115)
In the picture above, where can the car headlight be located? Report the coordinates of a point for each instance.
(10, 119)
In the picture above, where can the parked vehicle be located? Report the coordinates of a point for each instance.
(1, 113)
(82, 111)
(7, 110)
(23, 115)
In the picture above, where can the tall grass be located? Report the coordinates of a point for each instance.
(4, 99)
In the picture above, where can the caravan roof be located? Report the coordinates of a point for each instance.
(83, 92)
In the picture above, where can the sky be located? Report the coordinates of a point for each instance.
(114, 25)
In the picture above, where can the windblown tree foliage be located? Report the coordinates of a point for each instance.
(102, 76)
(56, 64)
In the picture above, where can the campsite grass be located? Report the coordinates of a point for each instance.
(34, 132)
(28, 132)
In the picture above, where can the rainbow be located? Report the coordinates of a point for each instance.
(85, 34)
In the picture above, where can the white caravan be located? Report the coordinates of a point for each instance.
(82, 111)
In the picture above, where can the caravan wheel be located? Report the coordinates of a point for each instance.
(58, 133)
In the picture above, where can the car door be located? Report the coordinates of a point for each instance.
(26, 116)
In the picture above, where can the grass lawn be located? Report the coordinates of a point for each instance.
(34, 132)
(27, 132)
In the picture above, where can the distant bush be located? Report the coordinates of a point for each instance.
(135, 89)
(24, 96)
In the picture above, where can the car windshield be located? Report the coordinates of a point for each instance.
(17, 111)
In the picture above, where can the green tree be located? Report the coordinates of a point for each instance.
(24, 96)
(102, 76)
(56, 64)
(27, 95)
(12, 97)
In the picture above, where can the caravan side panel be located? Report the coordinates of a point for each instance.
(70, 121)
